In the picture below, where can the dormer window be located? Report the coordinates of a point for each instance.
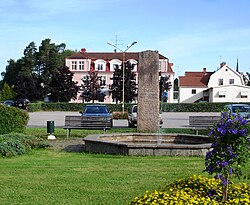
(100, 65)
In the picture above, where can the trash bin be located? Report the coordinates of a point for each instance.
(50, 127)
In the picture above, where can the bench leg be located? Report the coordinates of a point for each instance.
(68, 132)
(197, 132)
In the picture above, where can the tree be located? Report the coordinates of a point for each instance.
(130, 86)
(7, 92)
(28, 87)
(91, 88)
(164, 85)
(32, 73)
(62, 88)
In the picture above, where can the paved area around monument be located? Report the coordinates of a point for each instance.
(170, 119)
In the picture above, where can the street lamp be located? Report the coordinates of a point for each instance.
(123, 67)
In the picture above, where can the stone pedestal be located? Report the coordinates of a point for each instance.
(148, 92)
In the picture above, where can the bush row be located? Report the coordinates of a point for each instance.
(165, 107)
(17, 144)
(12, 119)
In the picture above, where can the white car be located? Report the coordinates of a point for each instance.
(132, 117)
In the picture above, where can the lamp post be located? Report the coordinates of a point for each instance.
(123, 68)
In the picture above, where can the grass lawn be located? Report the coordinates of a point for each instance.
(54, 177)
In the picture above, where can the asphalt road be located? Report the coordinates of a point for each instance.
(170, 119)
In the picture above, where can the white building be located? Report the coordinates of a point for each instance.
(224, 85)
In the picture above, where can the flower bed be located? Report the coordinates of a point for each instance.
(119, 115)
(196, 190)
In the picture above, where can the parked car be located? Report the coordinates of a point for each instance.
(97, 116)
(9, 102)
(132, 117)
(22, 103)
(241, 109)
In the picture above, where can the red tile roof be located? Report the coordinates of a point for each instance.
(195, 79)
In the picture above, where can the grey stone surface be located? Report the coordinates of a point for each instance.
(148, 92)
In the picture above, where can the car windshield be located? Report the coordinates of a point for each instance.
(241, 109)
(96, 109)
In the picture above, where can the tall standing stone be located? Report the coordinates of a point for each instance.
(148, 92)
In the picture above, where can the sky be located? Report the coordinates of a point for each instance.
(192, 34)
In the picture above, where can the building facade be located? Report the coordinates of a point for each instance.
(223, 85)
(81, 63)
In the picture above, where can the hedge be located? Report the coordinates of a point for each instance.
(165, 107)
(12, 119)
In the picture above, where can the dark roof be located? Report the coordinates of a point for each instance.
(107, 56)
(195, 79)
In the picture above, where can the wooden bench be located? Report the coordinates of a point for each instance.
(202, 122)
(80, 122)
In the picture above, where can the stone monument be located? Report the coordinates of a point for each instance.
(148, 117)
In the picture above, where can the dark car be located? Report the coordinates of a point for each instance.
(9, 102)
(97, 116)
(22, 103)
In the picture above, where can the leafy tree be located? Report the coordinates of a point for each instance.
(130, 86)
(164, 85)
(91, 88)
(62, 86)
(27, 87)
(7, 92)
(116, 87)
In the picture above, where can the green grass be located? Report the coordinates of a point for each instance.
(53, 177)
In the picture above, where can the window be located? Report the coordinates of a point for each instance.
(103, 80)
(99, 66)
(81, 65)
(220, 81)
(231, 81)
(243, 94)
(193, 91)
(74, 65)
(160, 65)
(222, 94)
(115, 66)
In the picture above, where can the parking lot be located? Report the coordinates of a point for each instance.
(170, 119)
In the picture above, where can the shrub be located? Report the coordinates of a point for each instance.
(16, 144)
(12, 119)
(195, 190)
(230, 149)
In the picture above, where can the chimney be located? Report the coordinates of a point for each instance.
(83, 50)
(204, 71)
(222, 64)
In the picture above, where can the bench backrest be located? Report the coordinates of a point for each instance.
(207, 121)
(73, 121)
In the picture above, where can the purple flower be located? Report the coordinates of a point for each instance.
(211, 192)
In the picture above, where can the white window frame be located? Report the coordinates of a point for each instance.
(81, 65)
(73, 65)
(100, 63)
(220, 81)
(132, 61)
(231, 81)
(115, 62)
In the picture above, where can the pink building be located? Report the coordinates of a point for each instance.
(82, 62)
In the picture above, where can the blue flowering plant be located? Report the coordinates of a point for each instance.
(229, 150)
